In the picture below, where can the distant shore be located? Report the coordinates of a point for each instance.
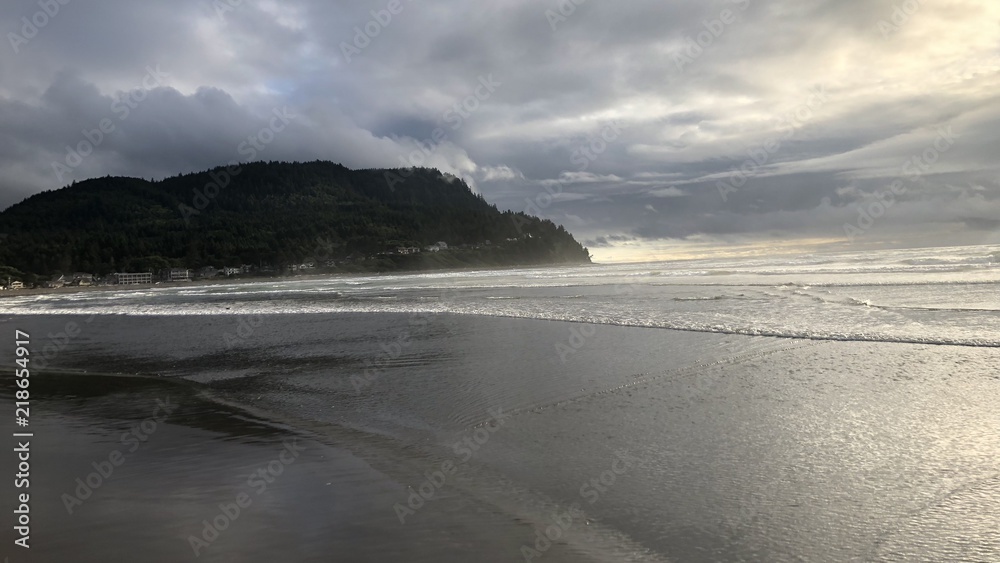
(125, 287)
(245, 280)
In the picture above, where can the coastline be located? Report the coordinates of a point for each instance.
(277, 279)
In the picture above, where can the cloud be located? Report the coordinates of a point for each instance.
(667, 192)
(608, 241)
(811, 106)
(495, 173)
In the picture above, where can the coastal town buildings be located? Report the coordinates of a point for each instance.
(128, 278)
(176, 275)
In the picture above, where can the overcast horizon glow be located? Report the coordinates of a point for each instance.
(637, 116)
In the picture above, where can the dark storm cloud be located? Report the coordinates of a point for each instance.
(817, 104)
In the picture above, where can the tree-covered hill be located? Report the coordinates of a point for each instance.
(274, 214)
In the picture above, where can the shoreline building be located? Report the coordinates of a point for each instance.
(132, 278)
(176, 275)
(56, 282)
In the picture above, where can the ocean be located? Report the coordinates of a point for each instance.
(822, 407)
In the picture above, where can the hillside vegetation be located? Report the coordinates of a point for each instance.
(273, 214)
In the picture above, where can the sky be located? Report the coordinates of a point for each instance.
(649, 129)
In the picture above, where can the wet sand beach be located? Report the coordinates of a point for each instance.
(183, 474)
